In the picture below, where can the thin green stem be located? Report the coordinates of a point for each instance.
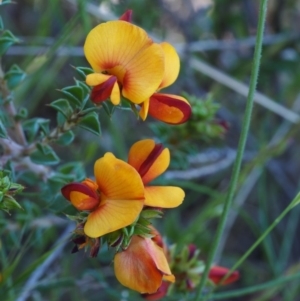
(294, 202)
(241, 146)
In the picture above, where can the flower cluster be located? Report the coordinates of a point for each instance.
(117, 207)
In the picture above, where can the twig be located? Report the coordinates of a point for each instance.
(243, 89)
(19, 155)
(38, 273)
(202, 171)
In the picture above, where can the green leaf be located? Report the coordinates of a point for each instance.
(33, 126)
(66, 138)
(62, 105)
(125, 105)
(74, 94)
(8, 203)
(108, 107)
(84, 71)
(44, 155)
(14, 76)
(61, 119)
(151, 213)
(6, 40)
(3, 133)
(44, 148)
(86, 92)
(91, 123)
(75, 169)
(22, 114)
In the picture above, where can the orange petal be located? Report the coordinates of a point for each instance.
(169, 108)
(149, 160)
(141, 266)
(163, 196)
(90, 183)
(144, 109)
(114, 43)
(144, 73)
(81, 196)
(112, 215)
(172, 65)
(117, 180)
(125, 50)
(122, 195)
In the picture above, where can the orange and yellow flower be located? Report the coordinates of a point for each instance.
(125, 60)
(115, 200)
(151, 160)
(128, 63)
(142, 266)
(168, 108)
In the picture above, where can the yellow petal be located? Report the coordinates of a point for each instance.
(141, 266)
(122, 196)
(170, 278)
(172, 65)
(125, 50)
(163, 196)
(169, 108)
(144, 74)
(117, 180)
(141, 152)
(95, 79)
(115, 97)
(144, 109)
(114, 43)
(112, 215)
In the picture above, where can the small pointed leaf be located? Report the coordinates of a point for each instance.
(84, 71)
(6, 40)
(74, 94)
(66, 138)
(50, 158)
(14, 76)
(91, 123)
(62, 105)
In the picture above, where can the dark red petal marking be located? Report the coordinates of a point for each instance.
(217, 273)
(103, 91)
(145, 166)
(79, 187)
(157, 100)
(127, 16)
(161, 292)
